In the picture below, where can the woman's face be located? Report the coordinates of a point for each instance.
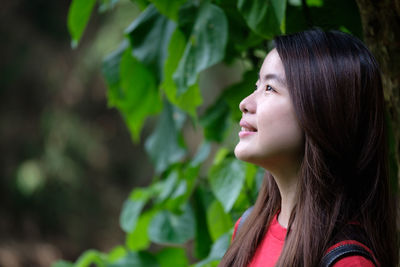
(270, 134)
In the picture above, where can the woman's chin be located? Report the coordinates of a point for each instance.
(238, 151)
(241, 153)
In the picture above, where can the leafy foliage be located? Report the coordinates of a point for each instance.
(78, 17)
(156, 71)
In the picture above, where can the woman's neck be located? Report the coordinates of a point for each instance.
(285, 171)
(287, 183)
(288, 200)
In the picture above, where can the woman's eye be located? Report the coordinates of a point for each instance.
(269, 88)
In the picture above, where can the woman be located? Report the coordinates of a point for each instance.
(316, 123)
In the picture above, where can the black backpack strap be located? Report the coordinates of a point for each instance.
(344, 251)
(244, 217)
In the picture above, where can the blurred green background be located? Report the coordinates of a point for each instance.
(68, 161)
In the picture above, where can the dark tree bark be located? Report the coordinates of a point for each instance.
(381, 27)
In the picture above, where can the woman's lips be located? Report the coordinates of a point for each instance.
(245, 133)
(247, 129)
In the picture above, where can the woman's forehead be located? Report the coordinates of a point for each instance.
(272, 68)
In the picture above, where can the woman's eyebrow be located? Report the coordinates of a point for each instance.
(271, 76)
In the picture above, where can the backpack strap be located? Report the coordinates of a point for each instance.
(244, 217)
(345, 250)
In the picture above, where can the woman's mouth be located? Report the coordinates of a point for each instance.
(246, 129)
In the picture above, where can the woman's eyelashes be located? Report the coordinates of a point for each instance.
(269, 88)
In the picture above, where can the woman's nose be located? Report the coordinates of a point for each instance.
(247, 105)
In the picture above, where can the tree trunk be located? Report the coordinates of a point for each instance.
(381, 27)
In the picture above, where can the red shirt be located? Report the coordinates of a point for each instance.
(270, 248)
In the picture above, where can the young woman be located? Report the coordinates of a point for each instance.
(316, 123)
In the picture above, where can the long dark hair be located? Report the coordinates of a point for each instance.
(336, 90)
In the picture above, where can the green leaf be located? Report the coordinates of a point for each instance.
(132, 208)
(216, 121)
(168, 186)
(309, 3)
(227, 180)
(149, 35)
(62, 263)
(203, 241)
(106, 5)
(189, 100)
(139, 238)
(131, 88)
(315, 2)
(206, 46)
(130, 214)
(220, 155)
(184, 188)
(136, 259)
(249, 192)
(138, 95)
(142, 4)
(165, 146)
(241, 38)
(242, 202)
(179, 197)
(187, 16)
(116, 253)
(169, 228)
(175, 257)
(218, 221)
(217, 251)
(110, 71)
(220, 246)
(91, 257)
(264, 17)
(201, 154)
(251, 171)
(174, 191)
(294, 2)
(78, 16)
(169, 8)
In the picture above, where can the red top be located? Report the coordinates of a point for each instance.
(270, 248)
